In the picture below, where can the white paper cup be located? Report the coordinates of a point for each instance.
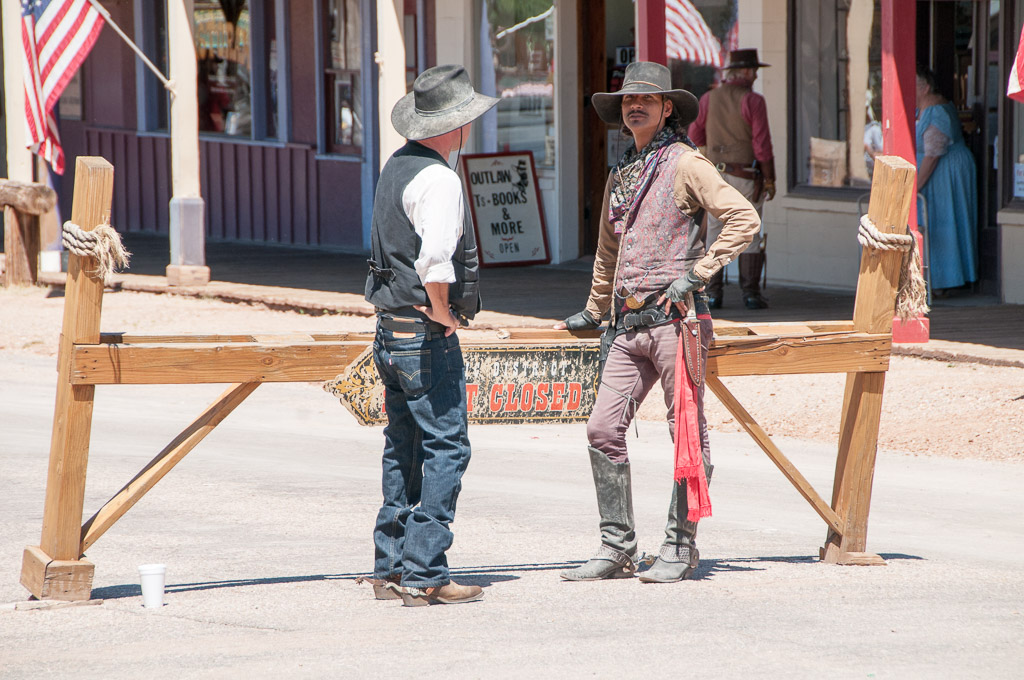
(152, 576)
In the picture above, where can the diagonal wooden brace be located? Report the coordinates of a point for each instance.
(172, 454)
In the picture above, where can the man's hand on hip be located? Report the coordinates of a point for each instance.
(446, 317)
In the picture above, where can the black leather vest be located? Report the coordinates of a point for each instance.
(393, 284)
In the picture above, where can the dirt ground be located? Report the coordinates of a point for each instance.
(931, 408)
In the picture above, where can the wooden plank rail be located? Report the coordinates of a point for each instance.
(217, 359)
(195, 363)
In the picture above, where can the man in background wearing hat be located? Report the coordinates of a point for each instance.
(423, 283)
(650, 265)
(732, 130)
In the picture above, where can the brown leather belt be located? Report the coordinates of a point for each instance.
(737, 170)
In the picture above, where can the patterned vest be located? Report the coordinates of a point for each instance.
(729, 137)
(661, 243)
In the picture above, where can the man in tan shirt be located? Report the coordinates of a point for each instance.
(650, 259)
(732, 129)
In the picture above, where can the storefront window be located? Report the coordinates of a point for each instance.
(234, 47)
(517, 64)
(342, 79)
(837, 92)
(1015, 112)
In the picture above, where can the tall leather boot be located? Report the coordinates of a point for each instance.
(713, 288)
(618, 538)
(678, 557)
(751, 265)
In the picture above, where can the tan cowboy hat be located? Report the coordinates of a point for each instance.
(645, 77)
(442, 100)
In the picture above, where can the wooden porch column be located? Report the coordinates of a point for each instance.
(650, 31)
(893, 191)
(187, 210)
(390, 58)
(899, 87)
(19, 158)
(54, 569)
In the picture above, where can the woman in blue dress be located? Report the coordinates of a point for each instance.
(947, 177)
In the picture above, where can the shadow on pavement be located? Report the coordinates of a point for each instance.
(481, 576)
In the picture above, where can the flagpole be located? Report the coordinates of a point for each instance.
(168, 84)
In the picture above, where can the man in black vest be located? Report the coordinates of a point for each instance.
(423, 283)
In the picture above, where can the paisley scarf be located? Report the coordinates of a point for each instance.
(633, 175)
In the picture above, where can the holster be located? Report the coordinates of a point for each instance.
(758, 186)
(607, 338)
(690, 328)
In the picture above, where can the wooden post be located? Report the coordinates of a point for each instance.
(21, 248)
(54, 569)
(23, 203)
(893, 191)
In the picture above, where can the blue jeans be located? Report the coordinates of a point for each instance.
(426, 451)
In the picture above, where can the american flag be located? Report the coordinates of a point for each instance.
(1015, 88)
(688, 37)
(57, 35)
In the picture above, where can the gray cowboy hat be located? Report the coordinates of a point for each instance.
(442, 100)
(744, 59)
(645, 77)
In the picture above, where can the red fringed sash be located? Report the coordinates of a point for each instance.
(689, 462)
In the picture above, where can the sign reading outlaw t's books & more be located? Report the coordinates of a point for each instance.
(504, 202)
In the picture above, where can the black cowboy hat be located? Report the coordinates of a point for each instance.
(442, 100)
(744, 59)
(645, 77)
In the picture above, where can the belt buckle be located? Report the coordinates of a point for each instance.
(634, 302)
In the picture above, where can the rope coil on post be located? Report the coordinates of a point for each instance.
(102, 243)
(912, 295)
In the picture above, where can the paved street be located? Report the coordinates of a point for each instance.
(266, 525)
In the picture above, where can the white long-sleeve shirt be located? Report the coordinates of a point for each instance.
(433, 203)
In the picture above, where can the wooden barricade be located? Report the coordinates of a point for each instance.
(23, 203)
(55, 569)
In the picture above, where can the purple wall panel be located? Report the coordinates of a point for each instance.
(122, 180)
(109, 75)
(312, 200)
(271, 194)
(134, 216)
(229, 167)
(215, 194)
(340, 211)
(244, 189)
(300, 211)
(162, 147)
(303, 73)
(147, 177)
(283, 190)
(256, 196)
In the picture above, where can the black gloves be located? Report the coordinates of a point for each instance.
(676, 292)
(581, 321)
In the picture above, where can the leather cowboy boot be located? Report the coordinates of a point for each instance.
(713, 289)
(678, 557)
(618, 538)
(449, 593)
(751, 265)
